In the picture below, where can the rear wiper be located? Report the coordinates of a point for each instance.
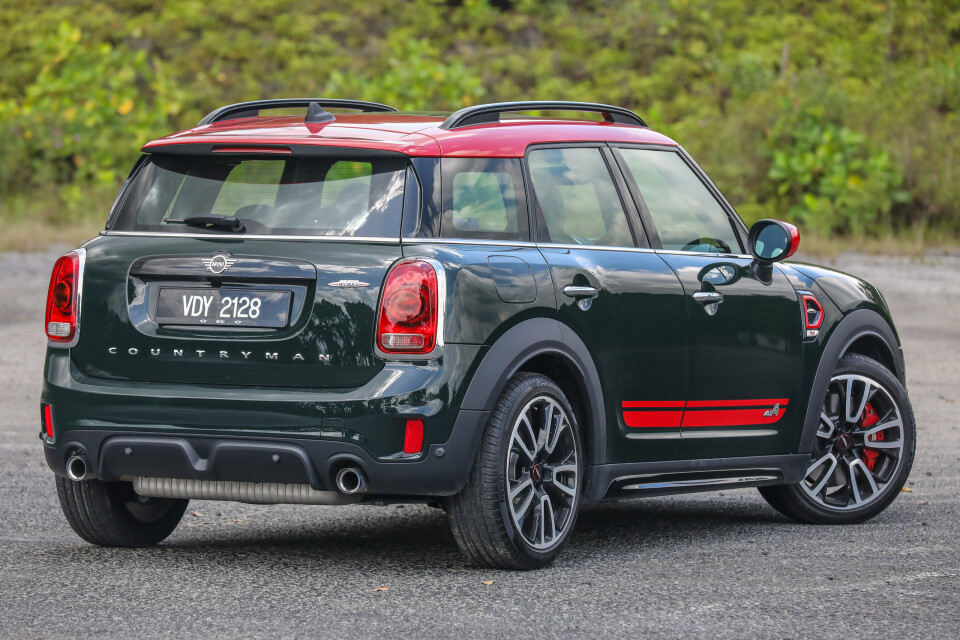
(227, 223)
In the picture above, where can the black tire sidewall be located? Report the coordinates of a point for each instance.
(536, 386)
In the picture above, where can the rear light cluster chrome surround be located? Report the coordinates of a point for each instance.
(62, 319)
(410, 315)
(812, 315)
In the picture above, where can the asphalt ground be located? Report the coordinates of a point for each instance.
(720, 565)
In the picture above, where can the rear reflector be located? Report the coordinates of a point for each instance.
(48, 421)
(413, 437)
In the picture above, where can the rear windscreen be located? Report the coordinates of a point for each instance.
(278, 196)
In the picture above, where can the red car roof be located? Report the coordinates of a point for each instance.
(414, 135)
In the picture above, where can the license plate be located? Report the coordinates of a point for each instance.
(223, 307)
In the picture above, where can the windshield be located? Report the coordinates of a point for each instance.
(280, 196)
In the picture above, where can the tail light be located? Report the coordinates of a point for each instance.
(409, 315)
(63, 300)
(812, 315)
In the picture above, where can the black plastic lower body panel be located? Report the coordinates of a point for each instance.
(643, 479)
(113, 455)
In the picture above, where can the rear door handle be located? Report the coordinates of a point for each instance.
(575, 291)
(584, 295)
(709, 299)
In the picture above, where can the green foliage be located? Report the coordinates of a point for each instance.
(828, 179)
(74, 122)
(842, 116)
(415, 78)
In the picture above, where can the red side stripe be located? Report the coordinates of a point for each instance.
(729, 417)
(738, 403)
(653, 418)
(653, 404)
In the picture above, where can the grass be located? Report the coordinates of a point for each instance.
(38, 221)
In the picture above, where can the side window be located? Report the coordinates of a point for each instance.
(687, 216)
(483, 198)
(578, 198)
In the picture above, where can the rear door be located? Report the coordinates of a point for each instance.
(745, 334)
(244, 269)
(619, 297)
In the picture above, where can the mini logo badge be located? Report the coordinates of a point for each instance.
(772, 413)
(348, 284)
(218, 263)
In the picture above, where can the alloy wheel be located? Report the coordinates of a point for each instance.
(859, 444)
(542, 473)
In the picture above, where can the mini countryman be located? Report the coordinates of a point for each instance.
(497, 312)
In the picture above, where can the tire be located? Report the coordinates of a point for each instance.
(529, 531)
(858, 466)
(112, 514)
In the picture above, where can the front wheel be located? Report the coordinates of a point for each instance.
(112, 514)
(522, 498)
(862, 452)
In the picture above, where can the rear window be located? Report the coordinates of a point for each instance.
(274, 196)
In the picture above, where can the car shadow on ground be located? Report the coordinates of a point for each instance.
(418, 536)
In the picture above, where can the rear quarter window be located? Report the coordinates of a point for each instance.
(483, 198)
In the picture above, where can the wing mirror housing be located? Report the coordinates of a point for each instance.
(771, 241)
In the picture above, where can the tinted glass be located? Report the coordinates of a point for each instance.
(687, 216)
(482, 198)
(289, 196)
(578, 199)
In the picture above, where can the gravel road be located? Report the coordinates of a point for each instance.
(708, 565)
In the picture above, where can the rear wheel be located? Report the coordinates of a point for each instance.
(863, 449)
(112, 514)
(521, 501)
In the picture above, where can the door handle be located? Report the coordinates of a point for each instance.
(575, 291)
(709, 299)
(584, 295)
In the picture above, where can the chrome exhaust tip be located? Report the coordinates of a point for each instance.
(350, 480)
(77, 468)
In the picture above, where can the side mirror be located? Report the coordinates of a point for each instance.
(771, 241)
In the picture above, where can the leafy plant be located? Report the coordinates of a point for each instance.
(828, 179)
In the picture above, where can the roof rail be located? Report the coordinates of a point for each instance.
(487, 113)
(253, 109)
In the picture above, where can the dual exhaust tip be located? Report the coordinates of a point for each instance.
(349, 480)
(77, 467)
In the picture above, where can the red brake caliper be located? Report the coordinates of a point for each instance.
(870, 418)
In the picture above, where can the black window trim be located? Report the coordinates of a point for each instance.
(537, 220)
(739, 228)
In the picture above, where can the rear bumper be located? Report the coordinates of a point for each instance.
(122, 456)
(267, 435)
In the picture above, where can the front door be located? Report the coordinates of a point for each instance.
(743, 395)
(620, 298)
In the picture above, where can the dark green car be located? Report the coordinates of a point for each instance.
(506, 317)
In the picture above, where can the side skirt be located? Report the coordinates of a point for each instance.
(643, 479)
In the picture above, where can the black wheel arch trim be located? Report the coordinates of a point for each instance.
(854, 326)
(525, 341)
